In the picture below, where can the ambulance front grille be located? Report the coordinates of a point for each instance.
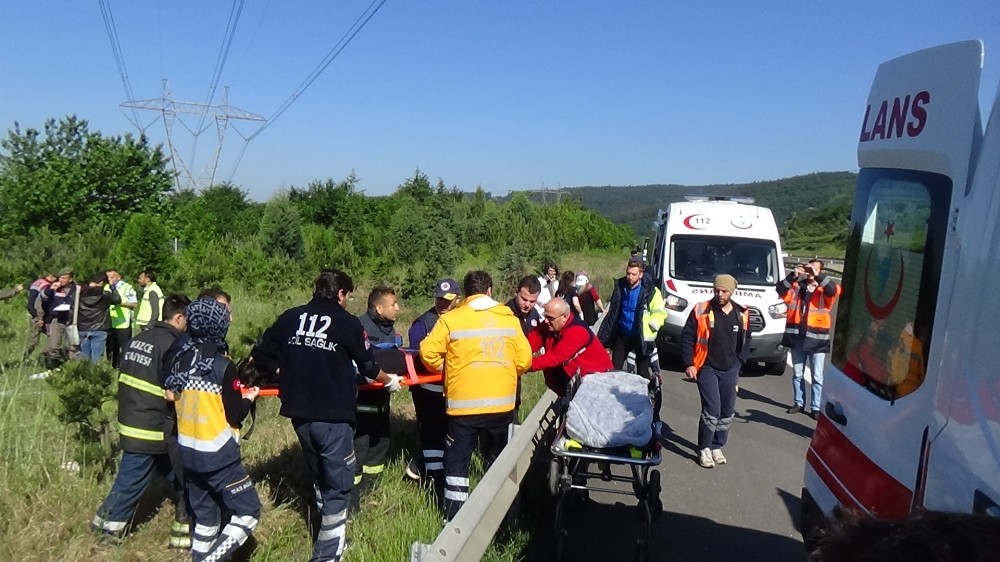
(756, 319)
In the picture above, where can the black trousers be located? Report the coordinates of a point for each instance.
(118, 339)
(462, 439)
(371, 436)
(620, 350)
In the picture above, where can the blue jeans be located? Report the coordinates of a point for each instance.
(92, 345)
(816, 361)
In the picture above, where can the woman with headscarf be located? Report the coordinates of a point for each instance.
(210, 409)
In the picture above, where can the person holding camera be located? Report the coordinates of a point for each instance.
(810, 296)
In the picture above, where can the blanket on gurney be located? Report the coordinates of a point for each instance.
(611, 410)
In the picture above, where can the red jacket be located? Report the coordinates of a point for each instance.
(575, 348)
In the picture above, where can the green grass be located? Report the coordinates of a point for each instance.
(45, 510)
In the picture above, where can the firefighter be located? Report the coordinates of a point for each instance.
(146, 426)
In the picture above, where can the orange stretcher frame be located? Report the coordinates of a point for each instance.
(411, 378)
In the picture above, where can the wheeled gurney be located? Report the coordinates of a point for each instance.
(572, 467)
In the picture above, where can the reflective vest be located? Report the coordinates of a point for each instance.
(145, 313)
(482, 350)
(204, 436)
(121, 317)
(814, 316)
(706, 321)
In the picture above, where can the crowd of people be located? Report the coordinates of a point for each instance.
(89, 320)
(182, 399)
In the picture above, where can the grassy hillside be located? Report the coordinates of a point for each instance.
(811, 210)
(637, 205)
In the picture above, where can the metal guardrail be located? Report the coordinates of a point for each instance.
(831, 264)
(469, 535)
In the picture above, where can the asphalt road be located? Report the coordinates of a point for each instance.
(745, 510)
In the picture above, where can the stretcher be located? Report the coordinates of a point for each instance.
(392, 360)
(576, 468)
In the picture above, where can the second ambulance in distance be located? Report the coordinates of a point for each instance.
(702, 237)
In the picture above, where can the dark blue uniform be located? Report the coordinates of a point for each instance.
(314, 345)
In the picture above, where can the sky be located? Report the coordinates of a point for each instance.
(506, 95)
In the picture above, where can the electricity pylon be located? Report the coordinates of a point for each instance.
(169, 108)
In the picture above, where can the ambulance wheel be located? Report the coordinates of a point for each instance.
(554, 469)
(641, 551)
(560, 546)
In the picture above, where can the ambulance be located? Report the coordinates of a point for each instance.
(701, 237)
(911, 401)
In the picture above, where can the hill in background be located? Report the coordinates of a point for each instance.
(812, 211)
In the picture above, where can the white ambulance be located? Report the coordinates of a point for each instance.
(911, 401)
(704, 236)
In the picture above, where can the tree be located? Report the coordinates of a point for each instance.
(67, 176)
(281, 229)
(144, 244)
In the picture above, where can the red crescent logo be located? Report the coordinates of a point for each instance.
(882, 312)
(687, 223)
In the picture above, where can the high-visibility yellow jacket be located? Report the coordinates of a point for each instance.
(145, 313)
(121, 316)
(482, 350)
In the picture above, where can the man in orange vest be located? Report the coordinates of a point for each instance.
(715, 343)
(810, 295)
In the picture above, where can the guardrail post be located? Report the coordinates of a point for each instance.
(469, 535)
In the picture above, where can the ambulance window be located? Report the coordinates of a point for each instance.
(700, 258)
(886, 314)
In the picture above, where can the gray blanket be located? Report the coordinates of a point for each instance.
(611, 410)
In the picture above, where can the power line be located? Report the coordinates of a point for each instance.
(116, 50)
(220, 63)
(334, 52)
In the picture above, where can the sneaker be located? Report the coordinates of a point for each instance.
(705, 458)
(414, 471)
(794, 409)
(814, 414)
(718, 457)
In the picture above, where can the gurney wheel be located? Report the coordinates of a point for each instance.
(653, 494)
(560, 553)
(641, 551)
(555, 467)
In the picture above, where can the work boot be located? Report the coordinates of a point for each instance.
(415, 470)
(794, 409)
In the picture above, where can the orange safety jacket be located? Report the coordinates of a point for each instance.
(809, 317)
(705, 318)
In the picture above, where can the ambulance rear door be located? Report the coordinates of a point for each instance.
(964, 460)
(918, 133)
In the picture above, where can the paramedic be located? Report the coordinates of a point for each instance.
(481, 350)
(318, 392)
(570, 347)
(428, 399)
(810, 295)
(523, 303)
(715, 343)
(371, 434)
